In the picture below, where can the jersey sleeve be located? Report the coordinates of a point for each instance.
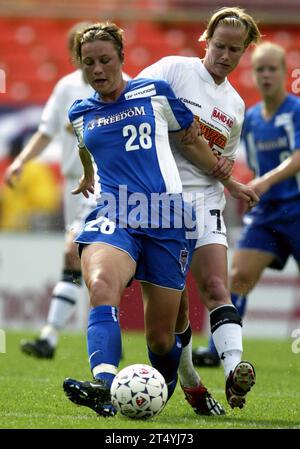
(177, 114)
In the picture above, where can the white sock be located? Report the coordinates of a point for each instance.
(187, 374)
(228, 341)
(50, 334)
(230, 359)
(63, 304)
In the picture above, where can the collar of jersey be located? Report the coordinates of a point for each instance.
(121, 97)
(206, 76)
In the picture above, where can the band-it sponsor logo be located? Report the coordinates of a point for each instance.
(220, 117)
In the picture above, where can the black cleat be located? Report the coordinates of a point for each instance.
(203, 357)
(202, 401)
(38, 348)
(93, 394)
(239, 383)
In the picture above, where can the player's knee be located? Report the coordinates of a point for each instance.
(101, 292)
(159, 343)
(216, 291)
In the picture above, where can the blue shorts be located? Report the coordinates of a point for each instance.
(163, 256)
(273, 228)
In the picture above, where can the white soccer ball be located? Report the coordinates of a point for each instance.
(139, 392)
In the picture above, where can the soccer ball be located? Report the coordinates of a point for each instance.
(139, 392)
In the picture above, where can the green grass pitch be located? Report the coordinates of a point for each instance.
(31, 395)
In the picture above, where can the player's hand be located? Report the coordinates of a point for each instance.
(223, 168)
(85, 186)
(13, 172)
(241, 191)
(191, 133)
(259, 185)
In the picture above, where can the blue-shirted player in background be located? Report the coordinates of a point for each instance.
(271, 135)
(123, 131)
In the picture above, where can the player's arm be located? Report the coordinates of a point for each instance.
(288, 168)
(224, 166)
(35, 146)
(200, 154)
(86, 182)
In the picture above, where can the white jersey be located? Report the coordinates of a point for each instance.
(218, 108)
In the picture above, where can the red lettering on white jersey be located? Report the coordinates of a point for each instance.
(222, 118)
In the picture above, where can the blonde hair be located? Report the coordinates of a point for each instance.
(269, 47)
(73, 31)
(103, 31)
(235, 17)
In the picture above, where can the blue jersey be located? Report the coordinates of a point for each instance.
(128, 139)
(270, 142)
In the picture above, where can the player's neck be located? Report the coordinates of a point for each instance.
(113, 96)
(272, 103)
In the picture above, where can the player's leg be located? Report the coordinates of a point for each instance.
(195, 392)
(209, 267)
(164, 348)
(259, 246)
(106, 271)
(212, 234)
(247, 267)
(64, 298)
(162, 289)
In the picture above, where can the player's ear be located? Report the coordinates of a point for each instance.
(122, 56)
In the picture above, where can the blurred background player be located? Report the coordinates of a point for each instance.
(55, 123)
(203, 86)
(271, 135)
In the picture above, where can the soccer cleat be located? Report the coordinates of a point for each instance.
(239, 383)
(202, 401)
(39, 348)
(94, 394)
(205, 358)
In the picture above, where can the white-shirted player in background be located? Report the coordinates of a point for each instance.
(55, 124)
(203, 86)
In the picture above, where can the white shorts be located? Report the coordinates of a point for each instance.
(76, 207)
(209, 208)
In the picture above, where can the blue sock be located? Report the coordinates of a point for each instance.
(240, 302)
(104, 339)
(167, 364)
